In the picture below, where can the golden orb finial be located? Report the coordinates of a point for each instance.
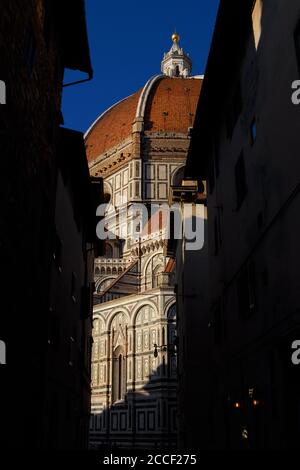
(175, 37)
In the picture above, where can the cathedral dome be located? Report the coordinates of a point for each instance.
(164, 105)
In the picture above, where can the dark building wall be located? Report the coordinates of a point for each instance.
(193, 348)
(33, 78)
(248, 136)
(69, 330)
(34, 54)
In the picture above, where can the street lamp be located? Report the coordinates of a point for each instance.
(170, 348)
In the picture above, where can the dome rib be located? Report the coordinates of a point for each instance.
(141, 107)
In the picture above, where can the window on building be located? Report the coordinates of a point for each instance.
(107, 198)
(137, 189)
(178, 176)
(246, 291)
(256, 21)
(156, 275)
(297, 45)
(120, 363)
(119, 375)
(30, 49)
(240, 180)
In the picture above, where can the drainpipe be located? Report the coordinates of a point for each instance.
(79, 81)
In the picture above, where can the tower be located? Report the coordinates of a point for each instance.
(175, 62)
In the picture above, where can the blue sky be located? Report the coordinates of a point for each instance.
(127, 41)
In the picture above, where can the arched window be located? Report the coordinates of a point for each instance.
(119, 337)
(107, 198)
(108, 250)
(178, 177)
(107, 193)
(120, 378)
(155, 275)
(97, 271)
(119, 375)
(153, 269)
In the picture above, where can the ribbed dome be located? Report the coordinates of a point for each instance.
(163, 105)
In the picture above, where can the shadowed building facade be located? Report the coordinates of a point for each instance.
(46, 231)
(247, 135)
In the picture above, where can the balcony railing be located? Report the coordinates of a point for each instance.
(107, 266)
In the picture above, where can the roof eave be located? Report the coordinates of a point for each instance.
(74, 37)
